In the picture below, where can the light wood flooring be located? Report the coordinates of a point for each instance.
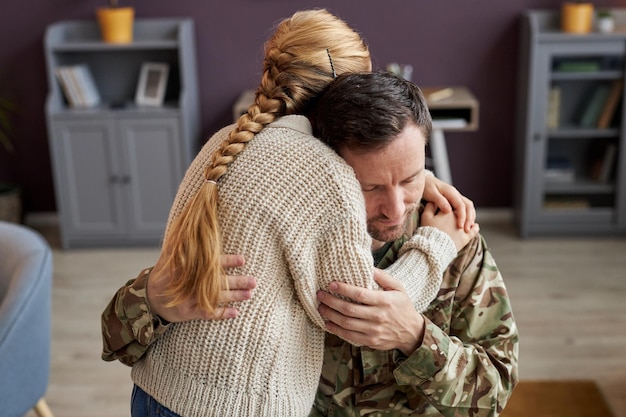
(569, 299)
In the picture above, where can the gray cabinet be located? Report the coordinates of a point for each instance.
(570, 174)
(117, 166)
(119, 178)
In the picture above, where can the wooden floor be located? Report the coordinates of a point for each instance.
(569, 299)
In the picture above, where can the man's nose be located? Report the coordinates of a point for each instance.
(394, 205)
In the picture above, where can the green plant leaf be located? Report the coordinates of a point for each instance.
(7, 107)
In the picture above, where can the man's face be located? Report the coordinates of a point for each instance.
(392, 180)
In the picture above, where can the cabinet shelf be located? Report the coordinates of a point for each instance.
(570, 174)
(145, 31)
(98, 46)
(128, 109)
(117, 165)
(598, 75)
(574, 132)
(578, 186)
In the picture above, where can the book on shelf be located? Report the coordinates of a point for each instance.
(593, 108)
(554, 108)
(610, 105)
(559, 169)
(87, 85)
(436, 93)
(566, 203)
(608, 163)
(449, 123)
(578, 66)
(68, 87)
(78, 86)
(602, 161)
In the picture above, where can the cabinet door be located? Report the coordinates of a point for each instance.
(87, 170)
(153, 171)
(564, 196)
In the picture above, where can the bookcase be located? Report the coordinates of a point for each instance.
(117, 165)
(570, 161)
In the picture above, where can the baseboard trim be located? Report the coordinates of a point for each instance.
(499, 215)
(41, 219)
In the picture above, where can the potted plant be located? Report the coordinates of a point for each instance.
(605, 21)
(10, 194)
(116, 22)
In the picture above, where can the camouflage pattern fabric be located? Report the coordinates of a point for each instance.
(466, 365)
(128, 326)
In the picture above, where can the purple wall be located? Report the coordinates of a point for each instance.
(458, 42)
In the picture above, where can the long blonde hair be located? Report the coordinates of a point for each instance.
(301, 59)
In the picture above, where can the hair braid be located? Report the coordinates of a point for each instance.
(194, 241)
(296, 69)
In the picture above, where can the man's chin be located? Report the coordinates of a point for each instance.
(388, 234)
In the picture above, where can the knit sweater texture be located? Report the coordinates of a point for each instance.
(295, 210)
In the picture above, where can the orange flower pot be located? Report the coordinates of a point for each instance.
(576, 17)
(116, 24)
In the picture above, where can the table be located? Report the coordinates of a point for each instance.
(453, 109)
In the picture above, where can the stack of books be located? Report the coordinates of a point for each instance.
(78, 86)
(559, 169)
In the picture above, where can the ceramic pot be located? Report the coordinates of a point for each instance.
(116, 24)
(606, 24)
(576, 17)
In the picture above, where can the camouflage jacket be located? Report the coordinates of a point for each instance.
(465, 366)
(128, 326)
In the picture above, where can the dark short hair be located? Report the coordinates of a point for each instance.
(366, 111)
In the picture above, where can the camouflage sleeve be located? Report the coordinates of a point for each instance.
(472, 368)
(128, 326)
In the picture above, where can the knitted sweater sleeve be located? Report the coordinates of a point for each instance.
(340, 253)
(423, 260)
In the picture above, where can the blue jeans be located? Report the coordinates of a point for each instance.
(143, 405)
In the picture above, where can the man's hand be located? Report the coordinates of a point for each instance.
(447, 199)
(383, 320)
(240, 289)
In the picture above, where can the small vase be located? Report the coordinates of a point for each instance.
(576, 17)
(606, 24)
(116, 24)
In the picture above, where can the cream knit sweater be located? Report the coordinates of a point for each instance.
(295, 210)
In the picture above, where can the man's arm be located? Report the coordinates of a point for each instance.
(473, 366)
(130, 324)
(468, 352)
(379, 320)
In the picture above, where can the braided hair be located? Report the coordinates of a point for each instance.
(302, 57)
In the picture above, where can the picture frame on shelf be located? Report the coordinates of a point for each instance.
(152, 84)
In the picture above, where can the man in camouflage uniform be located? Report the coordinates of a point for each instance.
(464, 363)
(464, 360)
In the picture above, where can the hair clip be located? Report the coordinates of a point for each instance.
(332, 67)
(210, 181)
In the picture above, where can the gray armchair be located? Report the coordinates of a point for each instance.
(25, 310)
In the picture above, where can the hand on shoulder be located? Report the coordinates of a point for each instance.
(447, 222)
